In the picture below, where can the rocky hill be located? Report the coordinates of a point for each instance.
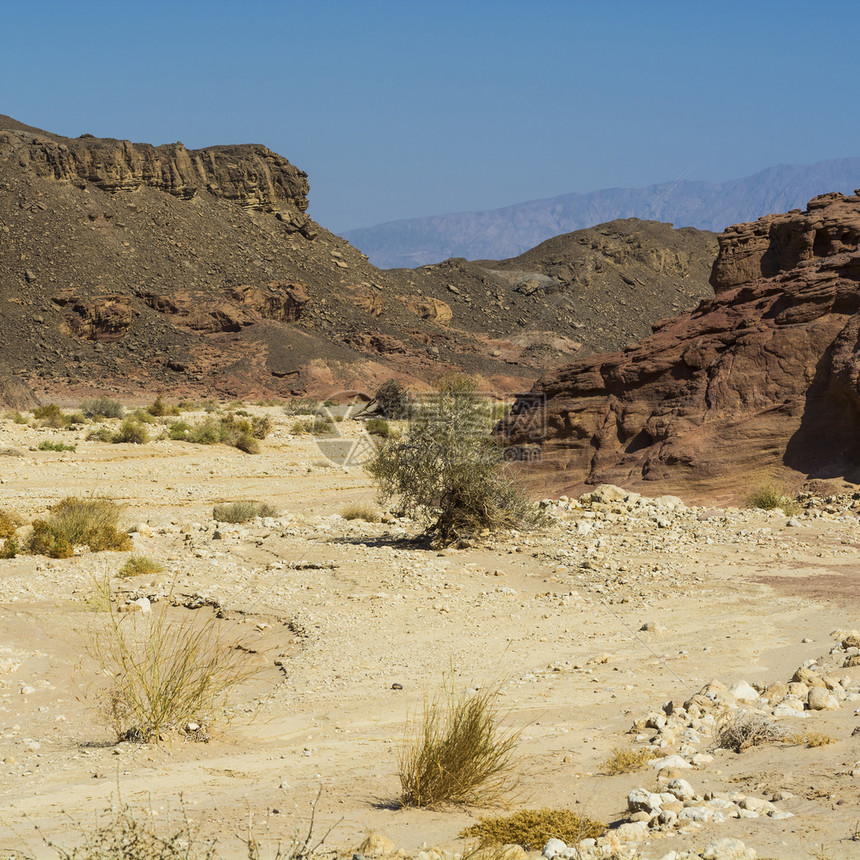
(134, 269)
(513, 229)
(759, 382)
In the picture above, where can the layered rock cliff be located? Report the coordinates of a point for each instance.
(760, 382)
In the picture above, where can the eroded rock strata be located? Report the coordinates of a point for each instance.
(760, 382)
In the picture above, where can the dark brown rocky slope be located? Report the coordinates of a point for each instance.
(762, 381)
(133, 269)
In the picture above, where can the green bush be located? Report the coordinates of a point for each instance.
(102, 407)
(48, 445)
(242, 512)
(378, 427)
(158, 408)
(178, 430)
(238, 432)
(103, 434)
(139, 565)
(301, 406)
(772, 497)
(15, 416)
(449, 471)
(131, 431)
(10, 548)
(51, 416)
(75, 522)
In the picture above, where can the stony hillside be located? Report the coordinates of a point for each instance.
(758, 383)
(134, 269)
(513, 229)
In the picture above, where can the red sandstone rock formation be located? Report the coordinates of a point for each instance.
(761, 382)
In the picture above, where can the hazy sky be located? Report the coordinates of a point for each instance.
(401, 108)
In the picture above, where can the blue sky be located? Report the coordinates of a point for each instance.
(399, 108)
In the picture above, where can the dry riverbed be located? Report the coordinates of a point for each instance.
(594, 622)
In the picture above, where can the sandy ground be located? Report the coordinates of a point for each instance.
(341, 611)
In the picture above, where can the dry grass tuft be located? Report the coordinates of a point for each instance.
(242, 512)
(813, 739)
(165, 674)
(626, 760)
(532, 828)
(456, 751)
(745, 729)
(359, 511)
(139, 565)
(9, 521)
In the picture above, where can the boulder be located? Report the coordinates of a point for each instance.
(742, 389)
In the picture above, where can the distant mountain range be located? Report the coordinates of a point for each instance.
(506, 232)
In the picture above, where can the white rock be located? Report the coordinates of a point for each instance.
(642, 800)
(821, 700)
(743, 692)
(728, 849)
(632, 831)
(144, 604)
(28, 690)
(669, 761)
(553, 848)
(681, 789)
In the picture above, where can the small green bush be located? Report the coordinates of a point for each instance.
(378, 427)
(139, 565)
(131, 431)
(143, 416)
(301, 406)
(51, 416)
(10, 548)
(102, 407)
(242, 512)
(393, 400)
(238, 432)
(15, 416)
(300, 428)
(158, 408)
(75, 522)
(103, 434)
(48, 445)
(533, 828)
(772, 497)
(178, 430)
(322, 427)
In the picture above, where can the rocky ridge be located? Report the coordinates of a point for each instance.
(757, 383)
(130, 268)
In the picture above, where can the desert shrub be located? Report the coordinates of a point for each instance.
(44, 540)
(744, 729)
(102, 434)
(51, 415)
(238, 432)
(102, 407)
(126, 835)
(10, 547)
(242, 512)
(143, 416)
(48, 445)
(378, 427)
(270, 401)
(301, 406)
(75, 419)
(158, 408)
(359, 511)
(449, 471)
(139, 565)
(322, 426)
(75, 522)
(772, 497)
(164, 674)
(178, 430)
(8, 523)
(261, 426)
(457, 752)
(392, 400)
(207, 432)
(533, 828)
(131, 430)
(626, 760)
(299, 428)
(15, 416)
